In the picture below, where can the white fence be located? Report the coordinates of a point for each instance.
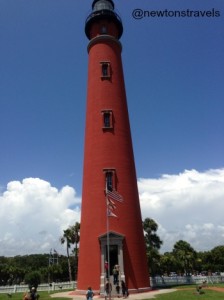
(165, 281)
(10, 289)
(155, 282)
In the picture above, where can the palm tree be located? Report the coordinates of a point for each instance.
(76, 237)
(70, 237)
(167, 263)
(66, 238)
(185, 255)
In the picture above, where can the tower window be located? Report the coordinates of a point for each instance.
(107, 120)
(110, 176)
(105, 70)
(109, 181)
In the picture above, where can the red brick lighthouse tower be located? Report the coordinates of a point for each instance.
(111, 223)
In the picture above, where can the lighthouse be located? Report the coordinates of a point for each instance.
(111, 224)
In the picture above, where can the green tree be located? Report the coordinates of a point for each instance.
(13, 269)
(185, 256)
(33, 279)
(70, 237)
(152, 239)
(217, 259)
(55, 272)
(153, 244)
(167, 263)
(76, 242)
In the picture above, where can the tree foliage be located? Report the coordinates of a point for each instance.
(71, 237)
(153, 244)
(152, 239)
(185, 256)
(183, 259)
(33, 279)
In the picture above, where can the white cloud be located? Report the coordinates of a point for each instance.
(33, 215)
(186, 206)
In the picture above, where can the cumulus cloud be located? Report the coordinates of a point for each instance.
(186, 206)
(33, 215)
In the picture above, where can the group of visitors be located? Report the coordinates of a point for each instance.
(121, 289)
(108, 290)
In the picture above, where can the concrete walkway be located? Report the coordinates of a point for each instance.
(139, 296)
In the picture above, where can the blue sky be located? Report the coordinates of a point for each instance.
(174, 70)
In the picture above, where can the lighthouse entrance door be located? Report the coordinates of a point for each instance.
(113, 257)
(111, 246)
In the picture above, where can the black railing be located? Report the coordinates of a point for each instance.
(103, 12)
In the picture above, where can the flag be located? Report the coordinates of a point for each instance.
(114, 195)
(110, 214)
(110, 204)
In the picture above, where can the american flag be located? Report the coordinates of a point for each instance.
(110, 204)
(114, 195)
(110, 213)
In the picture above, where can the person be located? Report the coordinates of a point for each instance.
(199, 290)
(108, 289)
(127, 292)
(118, 289)
(33, 294)
(26, 296)
(124, 289)
(115, 274)
(89, 293)
(106, 265)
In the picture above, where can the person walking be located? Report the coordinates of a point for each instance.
(118, 289)
(106, 265)
(115, 274)
(89, 293)
(108, 289)
(124, 289)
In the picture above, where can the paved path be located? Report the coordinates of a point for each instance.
(147, 295)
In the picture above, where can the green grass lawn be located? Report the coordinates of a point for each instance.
(19, 296)
(190, 295)
(193, 286)
(182, 293)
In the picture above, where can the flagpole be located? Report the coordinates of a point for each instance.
(108, 246)
(110, 206)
